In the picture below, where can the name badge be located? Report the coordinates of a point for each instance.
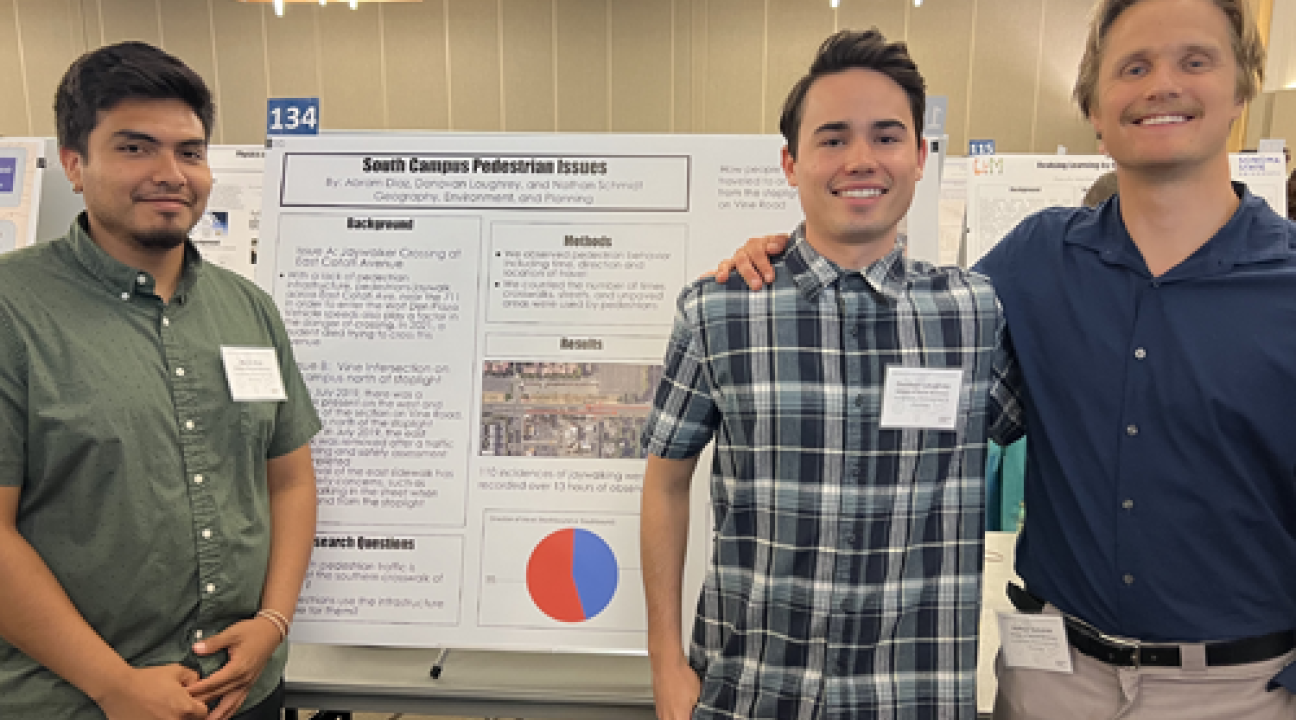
(253, 374)
(915, 397)
(1034, 642)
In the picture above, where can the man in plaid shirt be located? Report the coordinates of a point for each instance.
(848, 403)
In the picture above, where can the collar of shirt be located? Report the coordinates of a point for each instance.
(1248, 237)
(121, 279)
(812, 272)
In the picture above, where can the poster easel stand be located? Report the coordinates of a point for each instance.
(439, 665)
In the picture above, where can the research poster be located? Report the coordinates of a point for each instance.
(1004, 189)
(22, 162)
(481, 320)
(226, 235)
(952, 221)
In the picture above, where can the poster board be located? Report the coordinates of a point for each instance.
(226, 235)
(1004, 189)
(481, 320)
(22, 164)
(952, 222)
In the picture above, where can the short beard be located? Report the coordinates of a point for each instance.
(161, 239)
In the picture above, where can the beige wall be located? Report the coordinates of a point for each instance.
(1273, 115)
(690, 66)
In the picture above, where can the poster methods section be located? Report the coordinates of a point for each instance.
(481, 322)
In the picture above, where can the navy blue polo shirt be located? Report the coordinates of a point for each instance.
(1161, 474)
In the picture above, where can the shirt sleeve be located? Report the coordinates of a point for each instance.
(1285, 679)
(13, 404)
(1007, 388)
(684, 414)
(1007, 423)
(296, 421)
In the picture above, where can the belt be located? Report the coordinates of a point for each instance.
(1131, 653)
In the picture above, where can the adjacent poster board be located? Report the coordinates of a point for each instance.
(22, 163)
(1004, 189)
(226, 235)
(481, 320)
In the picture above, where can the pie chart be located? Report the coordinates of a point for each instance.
(572, 575)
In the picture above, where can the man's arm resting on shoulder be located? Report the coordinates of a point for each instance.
(663, 529)
(752, 261)
(40, 620)
(290, 480)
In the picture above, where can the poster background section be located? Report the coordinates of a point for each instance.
(514, 323)
(389, 358)
(22, 162)
(1004, 189)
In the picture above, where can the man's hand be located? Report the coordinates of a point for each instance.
(675, 690)
(752, 261)
(153, 693)
(250, 644)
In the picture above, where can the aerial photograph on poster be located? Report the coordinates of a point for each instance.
(565, 409)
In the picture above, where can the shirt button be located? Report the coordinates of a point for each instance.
(179, 372)
(1140, 353)
(210, 588)
(198, 479)
(1128, 504)
(1131, 430)
(198, 634)
(859, 401)
(125, 296)
(166, 322)
(189, 425)
(850, 538)
(1129, 579)
(141, 279)
(206, 534)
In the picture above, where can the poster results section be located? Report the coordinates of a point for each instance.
(1004, 189)
(22, 162)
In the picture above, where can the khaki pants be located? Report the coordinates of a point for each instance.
(1098, 691)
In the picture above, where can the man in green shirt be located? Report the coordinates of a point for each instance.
(157, 497)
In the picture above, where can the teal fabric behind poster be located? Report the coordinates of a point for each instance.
(1005, 479)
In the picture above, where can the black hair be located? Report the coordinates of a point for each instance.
(849, 49)
(101, 79)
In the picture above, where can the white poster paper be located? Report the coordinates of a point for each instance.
(481, 321)
(226, 235)
(22, 162)
(1004, 189)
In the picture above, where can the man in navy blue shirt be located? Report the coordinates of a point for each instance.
(1156, 376)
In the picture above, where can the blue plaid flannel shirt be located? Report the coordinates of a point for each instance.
(846, 575)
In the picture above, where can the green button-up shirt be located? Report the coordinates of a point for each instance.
(143, 481)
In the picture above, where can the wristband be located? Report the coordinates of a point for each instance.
(277, 619)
